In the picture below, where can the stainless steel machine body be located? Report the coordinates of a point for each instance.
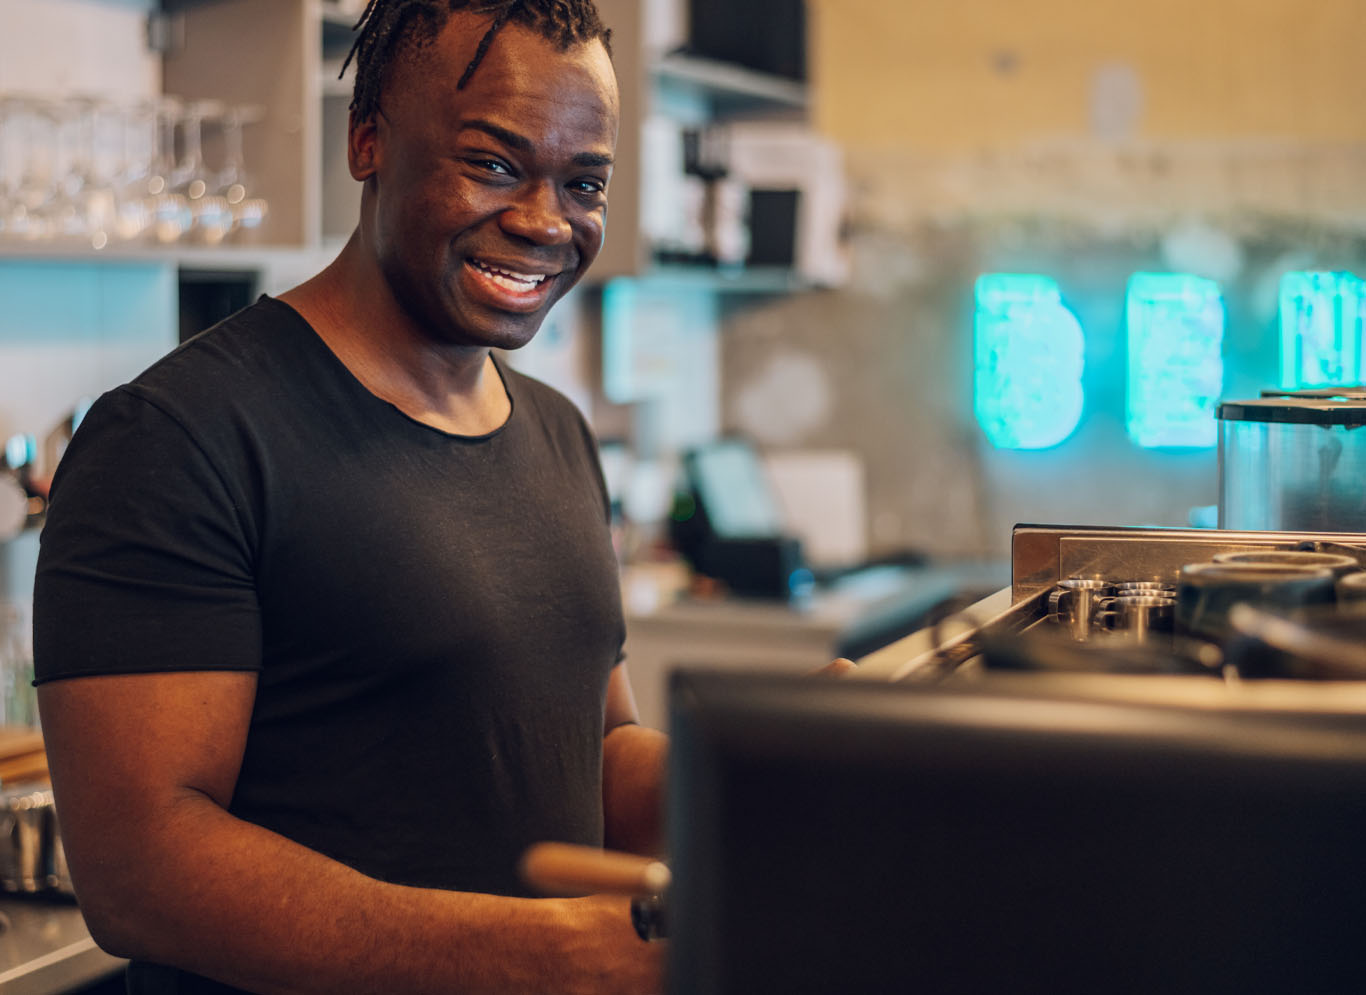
(1050, 564)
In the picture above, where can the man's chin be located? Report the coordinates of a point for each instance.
(507, 336)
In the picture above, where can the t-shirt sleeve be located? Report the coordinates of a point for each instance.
(146, 559)
(594, 458)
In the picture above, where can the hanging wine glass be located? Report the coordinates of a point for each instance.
(136, 178)
(65, 212)
(84, 206)
(234, 183)
(170, 210)
(211, 212)
(232, 178)
(34, 160)
(105, 166)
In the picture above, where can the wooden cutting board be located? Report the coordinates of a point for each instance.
(22, 757)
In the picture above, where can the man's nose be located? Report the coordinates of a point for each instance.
(538, 216)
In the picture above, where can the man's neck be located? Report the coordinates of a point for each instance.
(353, 310)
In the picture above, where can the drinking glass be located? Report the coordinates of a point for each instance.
(234, 182)
(171, 215)
(104, 165)
(85, 204)
(65, 210)
(232, 178)
(135, 178)
(211, 213)
(31, 161)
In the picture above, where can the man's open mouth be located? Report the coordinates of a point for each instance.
(509, 279)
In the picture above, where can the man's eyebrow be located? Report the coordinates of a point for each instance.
(509, 138)
(592, 159)
(521, 143)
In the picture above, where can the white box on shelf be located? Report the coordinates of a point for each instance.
(773, 155)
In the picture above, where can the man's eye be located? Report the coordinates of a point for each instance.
(589, 187)
(491, 166)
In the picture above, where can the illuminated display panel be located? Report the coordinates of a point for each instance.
(1029, 354)
(1321, 329)
(1176, 367)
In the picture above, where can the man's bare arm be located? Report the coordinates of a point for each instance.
(633, 761)
(143, 768)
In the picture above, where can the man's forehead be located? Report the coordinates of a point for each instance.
(514, 48)
(518, 61)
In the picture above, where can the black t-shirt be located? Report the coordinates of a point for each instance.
(432, 617)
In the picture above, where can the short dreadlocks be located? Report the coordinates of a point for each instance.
(388, 27)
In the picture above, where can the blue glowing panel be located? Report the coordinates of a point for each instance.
(1028, 350)
(1321, 329)
(1176, 366)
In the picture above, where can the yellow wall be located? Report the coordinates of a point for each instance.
(927, 74)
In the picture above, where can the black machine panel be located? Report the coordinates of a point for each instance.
(867, 837)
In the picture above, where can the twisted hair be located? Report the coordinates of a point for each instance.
(390, 28)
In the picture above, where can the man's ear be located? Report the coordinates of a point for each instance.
(362, 146)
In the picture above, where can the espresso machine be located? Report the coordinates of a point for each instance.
(1276, 591)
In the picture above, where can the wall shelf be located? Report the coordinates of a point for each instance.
(730, 89)
(744, 280)
(227, 257)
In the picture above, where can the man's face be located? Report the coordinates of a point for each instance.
(489, 202)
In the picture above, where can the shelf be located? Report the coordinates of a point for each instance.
(730, 88)
(188, 256)
(754, 280)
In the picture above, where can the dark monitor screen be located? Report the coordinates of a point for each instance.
(850, 836)
(729, 479)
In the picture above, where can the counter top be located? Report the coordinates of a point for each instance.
(871, 606)
(45, 948)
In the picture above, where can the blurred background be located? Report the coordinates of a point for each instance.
(927, 268)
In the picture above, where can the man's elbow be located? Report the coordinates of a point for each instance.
(126, 895)
(113, 919)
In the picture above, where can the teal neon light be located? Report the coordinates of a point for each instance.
(1321, 329)
(1029, 355)
(1176, 367)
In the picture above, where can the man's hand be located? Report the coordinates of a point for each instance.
(627, 964)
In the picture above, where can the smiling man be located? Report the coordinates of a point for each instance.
(327, 626)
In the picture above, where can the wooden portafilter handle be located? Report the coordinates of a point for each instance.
(566, 869)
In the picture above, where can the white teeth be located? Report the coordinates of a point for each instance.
(509, 279)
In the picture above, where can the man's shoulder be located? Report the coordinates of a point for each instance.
(219, 395)
(548, 403)
(257, 339)
(255, 357)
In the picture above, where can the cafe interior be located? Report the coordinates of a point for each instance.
(1010, 349)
